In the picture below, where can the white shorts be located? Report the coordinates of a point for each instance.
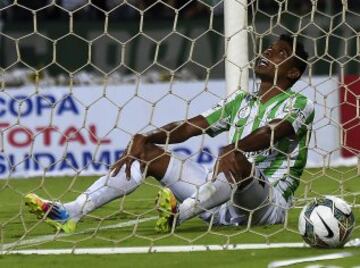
(260, 202)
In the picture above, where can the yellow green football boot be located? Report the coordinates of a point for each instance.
(53, 213)
(167, 208)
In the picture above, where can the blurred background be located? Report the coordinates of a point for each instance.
(90, 40)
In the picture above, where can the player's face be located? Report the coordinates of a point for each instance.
(276, 58)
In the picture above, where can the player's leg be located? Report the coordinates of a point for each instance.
(214, 194)
(191, 183)
(105, 189)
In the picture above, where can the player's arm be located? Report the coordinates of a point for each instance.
(263, 137)
(175, 132)
(260, 139)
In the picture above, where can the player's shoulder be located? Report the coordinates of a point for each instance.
(300, 101)
(238, 95)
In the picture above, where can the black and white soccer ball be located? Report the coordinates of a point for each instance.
(326, 222)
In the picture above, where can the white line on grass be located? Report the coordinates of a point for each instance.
(8, 248)
(47, 238)
(334, 256)
(160, 249)
(154, 249)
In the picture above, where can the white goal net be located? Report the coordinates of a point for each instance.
(80, 78)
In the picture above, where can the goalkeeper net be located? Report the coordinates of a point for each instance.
(80, 78)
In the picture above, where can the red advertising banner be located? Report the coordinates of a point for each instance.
(349, 116)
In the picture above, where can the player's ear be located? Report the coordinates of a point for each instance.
(293, 73)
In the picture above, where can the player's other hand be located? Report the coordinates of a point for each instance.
(228, 163)
(133, 152)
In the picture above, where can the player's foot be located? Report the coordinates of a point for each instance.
(54, 213)
(167, 208)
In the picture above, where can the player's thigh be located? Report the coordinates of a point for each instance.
(261, 202)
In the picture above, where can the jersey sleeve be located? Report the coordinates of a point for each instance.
(299, 111)
(219, 117)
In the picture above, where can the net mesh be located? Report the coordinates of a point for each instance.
(80, 78)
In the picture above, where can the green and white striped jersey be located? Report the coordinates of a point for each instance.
(242, 113)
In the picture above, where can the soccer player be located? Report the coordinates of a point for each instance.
(255, 176)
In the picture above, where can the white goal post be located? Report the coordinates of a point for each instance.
(236, 45)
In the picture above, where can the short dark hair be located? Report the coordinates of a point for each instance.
(301, 55)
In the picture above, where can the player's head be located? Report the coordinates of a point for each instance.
(283, 62)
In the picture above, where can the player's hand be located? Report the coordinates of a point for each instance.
(228, 164)
(132, 153)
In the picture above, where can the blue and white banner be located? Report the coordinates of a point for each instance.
(83, 130)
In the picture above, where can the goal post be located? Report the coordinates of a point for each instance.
(236, 45)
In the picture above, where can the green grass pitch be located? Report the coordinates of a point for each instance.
(17, 223)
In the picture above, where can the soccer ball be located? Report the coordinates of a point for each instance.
(326, 222)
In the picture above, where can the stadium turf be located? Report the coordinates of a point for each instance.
(17, 224)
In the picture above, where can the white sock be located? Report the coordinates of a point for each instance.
(104, 190)
(209, 195)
